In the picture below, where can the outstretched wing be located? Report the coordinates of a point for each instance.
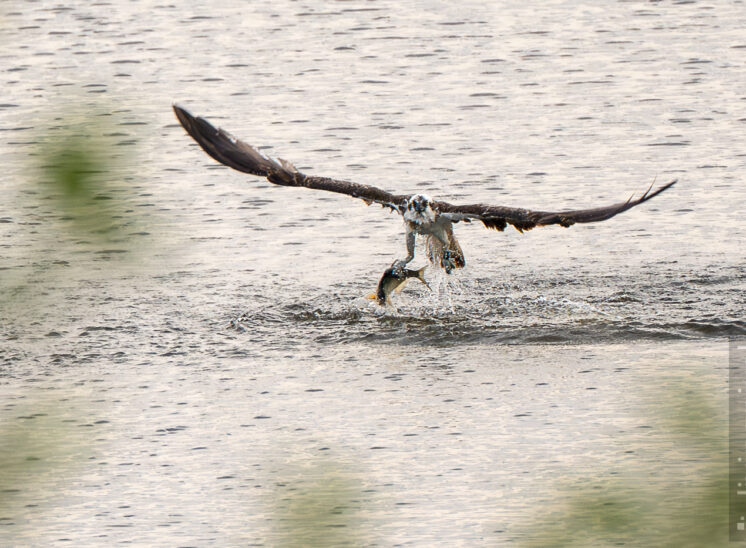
(234, 153)
(498, 217)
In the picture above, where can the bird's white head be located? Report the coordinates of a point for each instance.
(419, 209)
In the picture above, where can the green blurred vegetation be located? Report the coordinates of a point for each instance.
(67, 207)
(680, 499)
(81, 170)
(71, 204)
(41, 444)
(317, 504)
(76, 173)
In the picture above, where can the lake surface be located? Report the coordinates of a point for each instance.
(145, 414)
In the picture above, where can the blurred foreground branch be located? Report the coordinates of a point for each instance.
(679, 499)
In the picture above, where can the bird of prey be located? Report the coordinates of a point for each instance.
(422, 215)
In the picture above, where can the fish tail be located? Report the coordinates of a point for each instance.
(421, 276)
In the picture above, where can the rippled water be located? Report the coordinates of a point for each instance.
(443, 412)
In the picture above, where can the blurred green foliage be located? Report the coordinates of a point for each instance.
(317, 505)
(40, 446)
(71, 205)
(73, 167)
(80, 169)
(677, 499)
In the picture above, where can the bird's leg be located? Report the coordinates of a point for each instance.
(399, 264)
(445, 261)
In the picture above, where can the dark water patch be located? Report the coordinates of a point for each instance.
(585, 82)
(106, 252)
(670, 144)
(437, 335)
(533, 55)
(318, 14)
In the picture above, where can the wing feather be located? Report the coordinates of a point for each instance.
(498, 217)
(232, 152)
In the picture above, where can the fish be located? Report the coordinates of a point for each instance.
(394, 279)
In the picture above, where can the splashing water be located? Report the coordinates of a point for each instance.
(445, 287)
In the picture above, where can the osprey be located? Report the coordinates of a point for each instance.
(422, 215)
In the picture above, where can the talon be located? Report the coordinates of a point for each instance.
(447, 263)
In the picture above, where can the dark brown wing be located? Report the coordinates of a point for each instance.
(499, 217)
(228, 150)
